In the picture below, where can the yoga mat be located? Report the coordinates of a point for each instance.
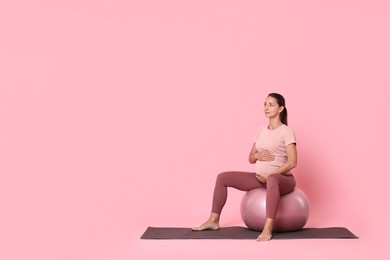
(244, 233)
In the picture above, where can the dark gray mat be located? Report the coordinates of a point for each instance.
(244, 233)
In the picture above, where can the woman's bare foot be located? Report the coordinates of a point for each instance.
(207, 226)
(266, 234)
(212, 223)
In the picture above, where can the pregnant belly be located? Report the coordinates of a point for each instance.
(267, 167)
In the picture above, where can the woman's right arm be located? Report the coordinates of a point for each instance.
(263, 155)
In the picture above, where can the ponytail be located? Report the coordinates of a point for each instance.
(283, 116)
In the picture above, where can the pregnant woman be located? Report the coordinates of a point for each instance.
(274, 154)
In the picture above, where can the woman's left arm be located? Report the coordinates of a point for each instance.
(291, 163)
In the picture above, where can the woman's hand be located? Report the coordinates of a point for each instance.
(264, 155)
(261, 177)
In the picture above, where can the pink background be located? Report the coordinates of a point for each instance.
(117, 115)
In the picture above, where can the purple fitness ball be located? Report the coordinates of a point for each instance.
(292, 214)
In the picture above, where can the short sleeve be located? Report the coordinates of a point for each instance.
(289, 137)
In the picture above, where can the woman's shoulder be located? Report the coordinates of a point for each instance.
(288, 132)
(287, 129)
(283, 128)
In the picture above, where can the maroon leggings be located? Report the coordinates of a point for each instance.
(277, 184)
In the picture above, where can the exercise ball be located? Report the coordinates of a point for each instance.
(292, 214)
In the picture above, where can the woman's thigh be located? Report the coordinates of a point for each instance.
(240, 180)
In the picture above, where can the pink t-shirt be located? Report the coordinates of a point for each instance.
(275, 141)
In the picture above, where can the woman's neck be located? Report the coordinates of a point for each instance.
(274, 123)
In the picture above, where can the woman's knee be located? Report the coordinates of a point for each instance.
(222, 176)
(227, 178)
(285, 184)
(273, 179)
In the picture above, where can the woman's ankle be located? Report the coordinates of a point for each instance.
(214, 217)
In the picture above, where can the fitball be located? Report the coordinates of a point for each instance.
(292, 213)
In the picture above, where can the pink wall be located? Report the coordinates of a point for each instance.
(117, 115)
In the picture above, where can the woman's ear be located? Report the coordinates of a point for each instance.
(281, 108)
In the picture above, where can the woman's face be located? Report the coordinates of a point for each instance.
(271, 107)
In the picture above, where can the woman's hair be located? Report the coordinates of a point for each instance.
(282, 103)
